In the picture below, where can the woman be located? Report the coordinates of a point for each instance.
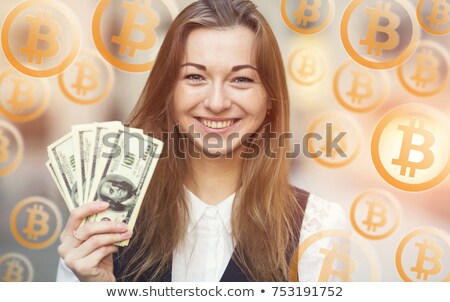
(219, 206)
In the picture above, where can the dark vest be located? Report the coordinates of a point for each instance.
(233, 272)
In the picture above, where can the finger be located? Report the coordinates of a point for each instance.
(99, 227)
(93, 259)
(78, 214)
(85, 266)
(97, 241)
(64, 248)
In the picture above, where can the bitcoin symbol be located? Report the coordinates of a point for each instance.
(27, 97)
(427, 244)
(10, 140)
(371, 224)
(426, 62)
(4, 143)
(34, 212)
(439, 13)
(424, 75)
(303, 7)
(381, 210)
(37, 222)
(342, 143)
(356, 95)
(359, 89)
(129, 25)
(375, 27)
(42, 19)
(337, 260)
(413, 136)
(408, 146)
(335, 255)
(23, 89)
(86, 71)
(308, 68)
(339, 141)
(14, 271)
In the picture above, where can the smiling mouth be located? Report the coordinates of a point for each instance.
(217, 124)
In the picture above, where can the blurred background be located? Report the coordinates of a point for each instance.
(323, 84)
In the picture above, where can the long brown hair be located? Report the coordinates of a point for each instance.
(263, 222)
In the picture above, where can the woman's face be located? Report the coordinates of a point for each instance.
(218, 93)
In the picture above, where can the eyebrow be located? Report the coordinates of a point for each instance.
(234, 69)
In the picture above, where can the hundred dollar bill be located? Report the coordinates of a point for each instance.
(125, 178)
(112, 144)
(62, 159)
(95, 160)
(49, 166)
(83, 138)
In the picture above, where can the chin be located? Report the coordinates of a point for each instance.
(217, 152)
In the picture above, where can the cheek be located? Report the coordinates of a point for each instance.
(254, 103)
(182, 102)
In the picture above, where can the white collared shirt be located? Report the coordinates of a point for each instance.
(207, 248)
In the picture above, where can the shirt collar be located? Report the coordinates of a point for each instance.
(198, 208)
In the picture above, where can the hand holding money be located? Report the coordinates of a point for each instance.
(87, 250)
(104, 162)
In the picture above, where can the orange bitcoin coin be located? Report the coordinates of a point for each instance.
(36, 222)
(89, 80)
(360, 89)
(423, 255)
(375, 214)
(434, 16)
(15, 268)
(51, 40)
(380, 34)
(121, 48)
(11, 148)
(22, 98)
(307, 16)
(346, 258)
(307, 66)
(411, 147)
(337, 139)
(428, 71)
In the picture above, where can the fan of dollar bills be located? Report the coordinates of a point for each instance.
(105, 162)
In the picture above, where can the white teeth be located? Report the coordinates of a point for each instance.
(216, 125)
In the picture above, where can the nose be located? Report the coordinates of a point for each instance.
(217, 100)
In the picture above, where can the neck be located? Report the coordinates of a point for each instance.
(214, 179)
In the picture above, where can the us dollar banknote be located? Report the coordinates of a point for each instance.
(50, 168)
(123, 182)
(83, 137)
(96, 162)
(104, 162)
(61, 155)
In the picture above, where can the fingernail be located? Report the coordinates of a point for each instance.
(102, 204)
(122, 226)
(127, 234)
